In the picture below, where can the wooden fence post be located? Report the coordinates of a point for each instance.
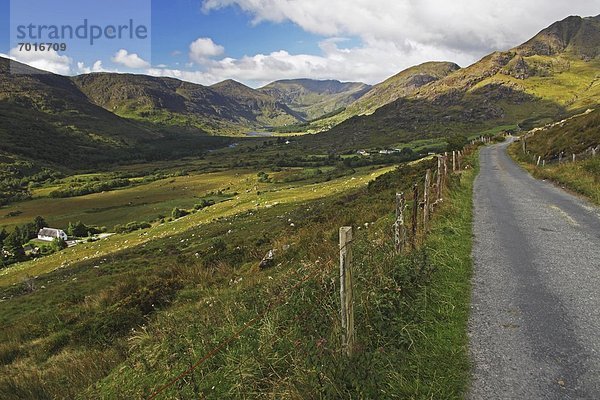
(574, 157)
(459, 160)
(524, 145)
(346, 294)
(399, 227)
(439, 179)
(453, 161)
(426, 200)
(539, 160)
(560, 158)
(415, 216)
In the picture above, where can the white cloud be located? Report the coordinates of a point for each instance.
(96, 67)
(132, 60)
(369, 64)
(203, 49)
(412, 31)
(45, 60)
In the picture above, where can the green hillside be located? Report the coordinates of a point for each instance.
(46, 118)
(226, 108)
(400, 85)
(579, 135)
(575, 135)
(314, 98)
(552, 76)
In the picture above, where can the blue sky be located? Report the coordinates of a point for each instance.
(229, 27)
(257, 41)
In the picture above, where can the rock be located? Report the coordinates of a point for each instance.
(268, 260)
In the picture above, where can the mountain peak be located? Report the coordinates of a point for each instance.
(574, 34)
(229, 83)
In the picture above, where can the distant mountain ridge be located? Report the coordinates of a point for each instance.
(47, 118)
(314, 98)
(225, 107)
(553, 75)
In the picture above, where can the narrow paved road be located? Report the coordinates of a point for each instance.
(535, 320)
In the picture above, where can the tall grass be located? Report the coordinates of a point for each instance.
(121, 327)
(411, 313)
(582, 177)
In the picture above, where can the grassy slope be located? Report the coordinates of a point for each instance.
(411, 319)
(575, 135)
(412, 311)
(582, 177)
(270, 196)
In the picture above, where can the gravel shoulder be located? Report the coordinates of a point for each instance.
(534, 328)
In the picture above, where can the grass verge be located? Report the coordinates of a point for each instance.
(582, 177)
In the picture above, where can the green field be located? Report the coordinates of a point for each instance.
(119, 317)
(270, 195)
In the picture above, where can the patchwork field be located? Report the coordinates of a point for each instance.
(177, 192)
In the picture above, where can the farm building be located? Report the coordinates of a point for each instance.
(49, 234)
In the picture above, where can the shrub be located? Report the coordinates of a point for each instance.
(132, 226)
(203, 204)
(178, 213)
(59, 244)
(9, 351)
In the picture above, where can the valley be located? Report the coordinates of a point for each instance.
(213, 212)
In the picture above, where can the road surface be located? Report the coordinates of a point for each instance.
(535, 320)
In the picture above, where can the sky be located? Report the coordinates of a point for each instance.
(259, 41)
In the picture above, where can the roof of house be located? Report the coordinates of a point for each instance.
(49, 232)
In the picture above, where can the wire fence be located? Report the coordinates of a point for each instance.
(408, 232)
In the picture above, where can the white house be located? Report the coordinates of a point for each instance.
(49, 234)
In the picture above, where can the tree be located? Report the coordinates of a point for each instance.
(14, 246)
(178, 213)
(59, 244)
(77, 229)
(39, 223)
(3, 235)
(456, 142)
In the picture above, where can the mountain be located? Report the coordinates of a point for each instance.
(256, 105)
(398, 86)
(551, 76)
(574, 35)
(46, 118)
(314, 98)
(228, 107)
(401, 85)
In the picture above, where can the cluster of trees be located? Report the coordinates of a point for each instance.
(132, 226)
(89, 188)
(179, 213)
(17, 178)
(456, 142)
(12, 243)
(203, 204)
(80, 230)
(404, 155)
